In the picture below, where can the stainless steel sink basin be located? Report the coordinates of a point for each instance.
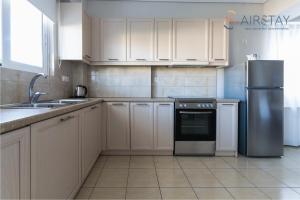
(35, 105)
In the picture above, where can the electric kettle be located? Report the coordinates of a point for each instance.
(80, 91)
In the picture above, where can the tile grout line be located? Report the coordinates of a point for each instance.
(127, 177)
(157, 177)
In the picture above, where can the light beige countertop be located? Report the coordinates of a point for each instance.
(228, 100)
(138, 99)
(11, 119)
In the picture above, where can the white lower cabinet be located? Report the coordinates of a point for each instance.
(55, 160)
(15, 164)
(227, 129)
(90, 137)
(118, 132)
(141, 126)
(163, 126)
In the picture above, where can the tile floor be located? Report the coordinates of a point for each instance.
(168, 177)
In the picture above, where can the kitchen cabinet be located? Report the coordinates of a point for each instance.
(163, 126)
(90, 126)
(227, 129)
(15, 164)
(190, 40)
(74, 32)
(163, 40)
(140, 40)
(55, 164)
(118, 132)
(219, 38)
(141, 126)
(113, 40)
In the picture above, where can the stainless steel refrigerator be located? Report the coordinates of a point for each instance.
(259, 86)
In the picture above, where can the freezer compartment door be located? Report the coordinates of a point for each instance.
(265, 74)
(265, 122)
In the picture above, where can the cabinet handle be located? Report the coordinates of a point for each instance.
(142, 104)
(66, 118)
(219, 59)
(94, 107)
(140, 59)
(164, 59)
(191, 59)
(117, 104)
(164, 104)
(227, 104)
(113, 59)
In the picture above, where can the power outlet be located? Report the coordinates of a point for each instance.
(65, 78)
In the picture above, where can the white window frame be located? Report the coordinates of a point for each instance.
(47, 43)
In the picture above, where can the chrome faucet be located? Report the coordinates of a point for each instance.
(34, 96)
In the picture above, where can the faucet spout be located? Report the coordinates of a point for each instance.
(31, 93)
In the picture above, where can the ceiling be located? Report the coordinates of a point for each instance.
(201, 1)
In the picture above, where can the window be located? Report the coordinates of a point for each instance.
(28, 37)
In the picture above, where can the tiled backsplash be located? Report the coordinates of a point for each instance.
(151, 81)
(184, 82)
(14, 84)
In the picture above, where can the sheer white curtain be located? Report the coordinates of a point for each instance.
(285, 45)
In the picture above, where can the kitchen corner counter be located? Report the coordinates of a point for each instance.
(228, 100)
(11, 119)
(138, 99)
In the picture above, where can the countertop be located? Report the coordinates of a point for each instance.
(11, 119)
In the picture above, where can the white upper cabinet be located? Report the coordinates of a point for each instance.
(190, 40)
(227, 129)
(141, 122)
(113, 39)
(15, 164)
(163, 39)
(74, 32)
(163, 126)
(118, 131)
(140, 40)
(218, 42)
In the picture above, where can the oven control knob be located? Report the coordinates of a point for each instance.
(180, 105)
(184, 105)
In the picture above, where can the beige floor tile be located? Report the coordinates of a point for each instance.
(247, 193)
(190, 162)
(92, 178)
(239, 162)
(178, 193)
(287, 176)
(212, 193)
(260, 178)
(216, 163)
(231, 178)
(172, 178)
(143, 193)
(142, 162)
(142, 178)
(281, 193)
(283, 162)
(165, 162)
(113, 178)
(117, 162)
(108, 193)
(202, 178)
(84, 193)
(100, 162)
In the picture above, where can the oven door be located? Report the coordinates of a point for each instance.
(195, 125)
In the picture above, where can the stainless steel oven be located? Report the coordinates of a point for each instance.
(195, 126)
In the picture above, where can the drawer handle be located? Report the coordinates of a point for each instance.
(94, 107)
(142, 104)
(164, 104)
(227, 104)
(191, 59)
(140, 59)
(113, 59)
(66, 118)
(164, 59)
(117, 104)
(219, 59)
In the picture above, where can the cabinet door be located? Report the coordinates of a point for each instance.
(15, 164)
(86, 37)
(190, 40)
(218, 41)
(95, 41)
(163, 126)
(55, 158)
(90, 121)
(227, 119)
(118, 137)
(163, 39)
(113, 39)
(141, 126)
(140, 39)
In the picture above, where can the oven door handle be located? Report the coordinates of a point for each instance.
(186, 112)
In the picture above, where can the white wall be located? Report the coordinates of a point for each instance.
(275, 7)
(46, 6)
